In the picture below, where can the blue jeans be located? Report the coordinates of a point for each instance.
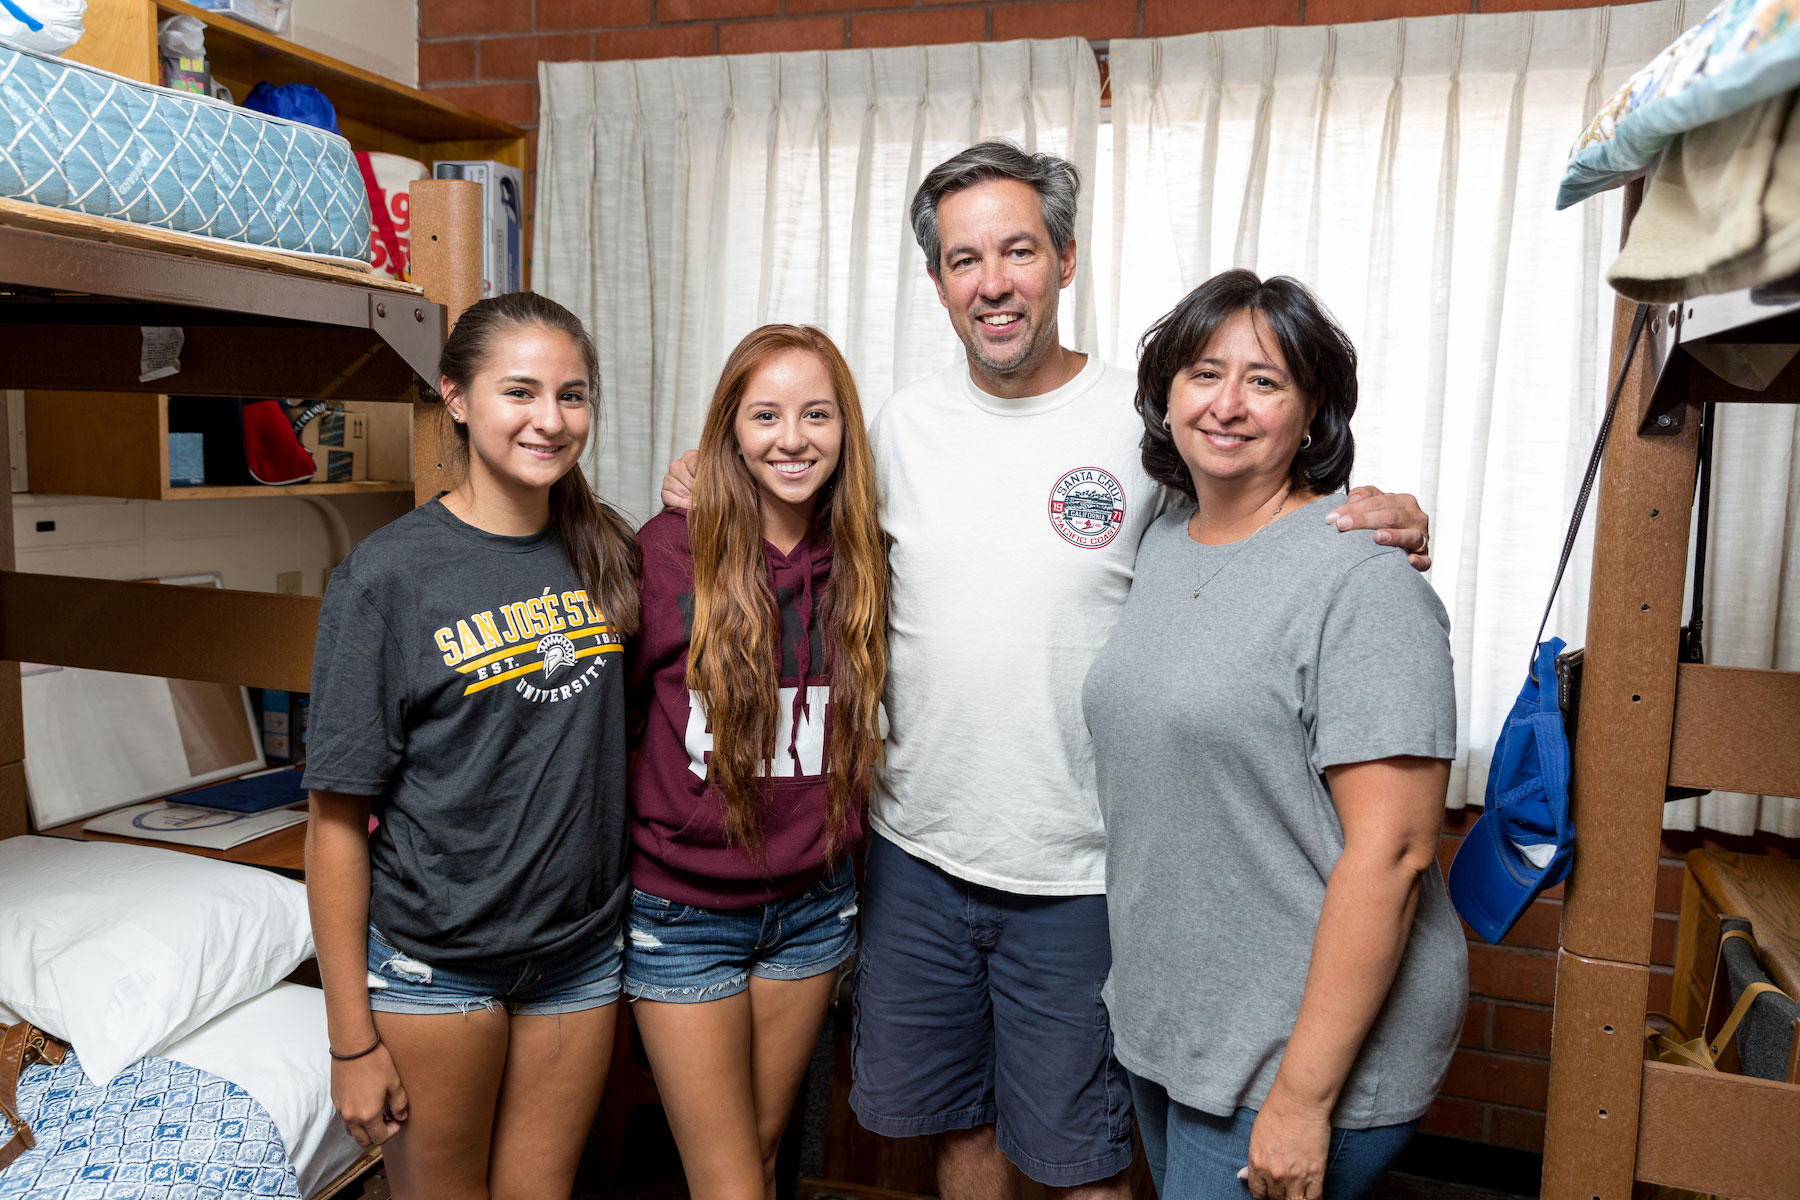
(1196, 1156)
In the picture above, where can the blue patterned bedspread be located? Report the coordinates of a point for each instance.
(161, 1130)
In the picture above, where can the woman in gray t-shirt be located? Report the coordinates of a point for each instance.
(1273, 719)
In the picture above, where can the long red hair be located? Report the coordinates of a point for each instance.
(734, 655)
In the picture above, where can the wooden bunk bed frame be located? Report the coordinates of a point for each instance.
(1646, 723)
(74, 291)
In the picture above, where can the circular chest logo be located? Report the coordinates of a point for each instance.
(1087, 507)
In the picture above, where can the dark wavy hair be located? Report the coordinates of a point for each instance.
(1318, 354)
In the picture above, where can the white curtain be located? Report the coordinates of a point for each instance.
(1406, 171)
(1752, 584)
(683, 202)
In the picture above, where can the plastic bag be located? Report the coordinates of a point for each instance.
(45, 26)
(180, 36)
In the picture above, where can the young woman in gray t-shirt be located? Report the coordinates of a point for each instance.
(467, 693)
(1273, 719)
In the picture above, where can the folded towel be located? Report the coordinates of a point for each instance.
(1721, 210)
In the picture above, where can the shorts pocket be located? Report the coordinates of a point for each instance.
(1114, 1081)
(655, 908)
(836, 881)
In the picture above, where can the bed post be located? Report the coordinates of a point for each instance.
(446, 262)
(1620, 778)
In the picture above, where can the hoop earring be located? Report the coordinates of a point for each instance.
(1166, 428)
(1306, 442)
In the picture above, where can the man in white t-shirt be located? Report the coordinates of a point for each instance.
(1012, 488)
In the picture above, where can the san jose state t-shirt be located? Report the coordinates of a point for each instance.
(469, 684)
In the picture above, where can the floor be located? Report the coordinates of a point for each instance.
(653, 1172)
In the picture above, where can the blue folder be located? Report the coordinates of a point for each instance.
(249, 793)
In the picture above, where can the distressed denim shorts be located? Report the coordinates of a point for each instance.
(681, 954)
(582, 977)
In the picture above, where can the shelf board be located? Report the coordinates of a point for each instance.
(242, 54)
(75, 292)
(261, 491)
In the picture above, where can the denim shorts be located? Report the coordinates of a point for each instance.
(976, 1006)
(681, 954)
(582, 977)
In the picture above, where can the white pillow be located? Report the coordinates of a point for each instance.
(121, 949)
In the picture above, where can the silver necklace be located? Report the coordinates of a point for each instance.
(1245, 543)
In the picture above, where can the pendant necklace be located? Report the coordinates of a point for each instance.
(1246, 542)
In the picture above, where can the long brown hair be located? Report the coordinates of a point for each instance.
(734, 655)
(597, 541)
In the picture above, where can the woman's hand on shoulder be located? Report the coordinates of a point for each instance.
(1289, 1144)
(368, 1096)
(1395, 517)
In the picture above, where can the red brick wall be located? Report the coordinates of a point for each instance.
(1500, 1076)
(484, 53)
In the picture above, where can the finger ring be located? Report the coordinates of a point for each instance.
(1424, 545)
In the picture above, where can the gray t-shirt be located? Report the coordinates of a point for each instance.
(466, 681)
(1214, 718)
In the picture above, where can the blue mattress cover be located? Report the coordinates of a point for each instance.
(78, 138)
(161, 1130)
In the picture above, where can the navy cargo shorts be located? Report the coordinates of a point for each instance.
(976, 1006)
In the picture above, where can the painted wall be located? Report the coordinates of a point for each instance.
(249, 542)
(382, 36)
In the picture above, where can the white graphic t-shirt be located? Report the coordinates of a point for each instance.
(1015, 526)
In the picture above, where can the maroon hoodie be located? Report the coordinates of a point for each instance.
(677, 821)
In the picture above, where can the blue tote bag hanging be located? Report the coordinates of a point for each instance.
(1523, 841)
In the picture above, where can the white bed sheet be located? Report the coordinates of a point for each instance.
(275, 1047)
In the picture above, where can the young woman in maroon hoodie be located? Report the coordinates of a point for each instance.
(754, 691)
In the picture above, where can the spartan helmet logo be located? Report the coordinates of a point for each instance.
(558, 652)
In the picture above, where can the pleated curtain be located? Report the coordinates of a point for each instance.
(1406, 170)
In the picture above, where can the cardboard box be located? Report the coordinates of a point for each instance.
(284, 725)
(388, 428)
(503, 226)
(339, 442)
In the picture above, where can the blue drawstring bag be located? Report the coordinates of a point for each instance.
(1523, 842)
(294, 102)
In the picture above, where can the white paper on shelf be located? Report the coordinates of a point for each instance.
(188, 825)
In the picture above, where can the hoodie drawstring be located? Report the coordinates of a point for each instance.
(803, 657)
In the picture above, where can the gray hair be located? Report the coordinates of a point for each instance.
(1055, 180)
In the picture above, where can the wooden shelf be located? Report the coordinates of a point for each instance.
(283, 851)
(374, 113)
(117, 444)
